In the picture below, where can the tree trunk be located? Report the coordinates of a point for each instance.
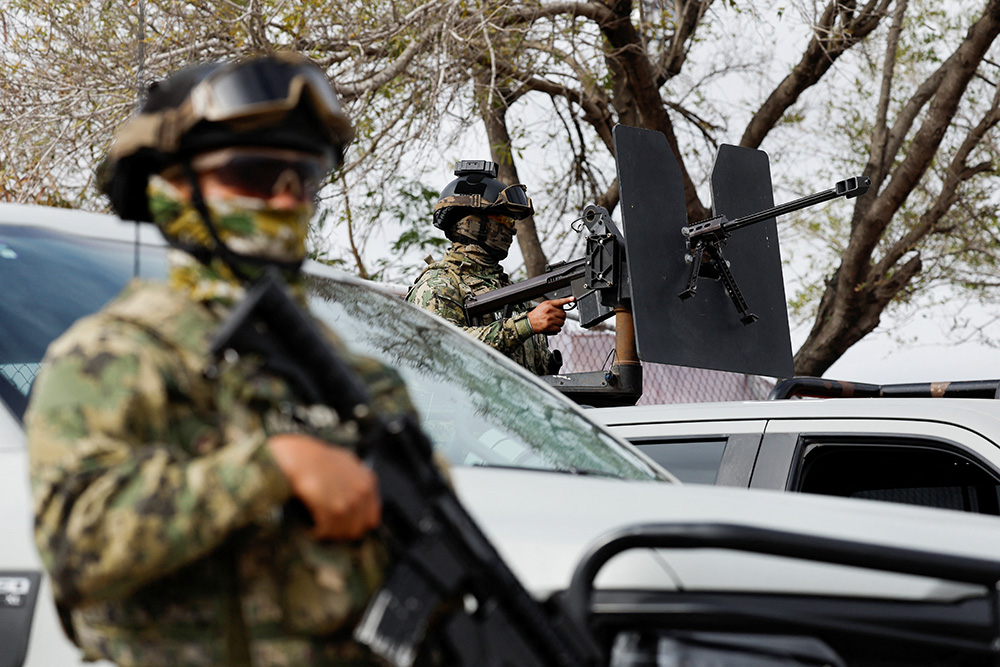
(501, 151)
(861, 287)
(636, 95)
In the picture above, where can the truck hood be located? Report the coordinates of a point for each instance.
(543, 523)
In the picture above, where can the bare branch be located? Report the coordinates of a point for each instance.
(828, 43)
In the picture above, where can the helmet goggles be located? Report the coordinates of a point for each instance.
(265, 172)
(247, 96)
(512, 201)
(515, 199)
(259, 89)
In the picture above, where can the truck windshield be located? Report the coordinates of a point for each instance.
(477, 408)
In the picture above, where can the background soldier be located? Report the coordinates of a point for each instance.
(162, 481)
(477, 213)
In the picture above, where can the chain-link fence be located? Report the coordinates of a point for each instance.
(592, 350)
(19, 375)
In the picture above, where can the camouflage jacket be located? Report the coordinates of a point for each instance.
(161, 515)
(464, 271)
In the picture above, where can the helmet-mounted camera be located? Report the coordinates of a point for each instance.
(467, 167)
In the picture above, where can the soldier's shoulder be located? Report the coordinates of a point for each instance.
(438, 272)
(147, 301)
(168, 313)
(437, 277)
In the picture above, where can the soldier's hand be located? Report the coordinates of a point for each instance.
(339, 491)
(548, 317)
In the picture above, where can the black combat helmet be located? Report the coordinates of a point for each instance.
(477, 190)
(278, 101)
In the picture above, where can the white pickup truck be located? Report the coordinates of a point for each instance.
(919, 444)
(658, 572)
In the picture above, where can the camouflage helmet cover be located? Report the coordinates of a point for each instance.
(281, 101)
(477, 190)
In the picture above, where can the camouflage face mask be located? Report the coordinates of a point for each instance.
(246, 225)
(492, 233)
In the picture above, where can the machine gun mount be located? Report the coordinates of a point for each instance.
(598, 280)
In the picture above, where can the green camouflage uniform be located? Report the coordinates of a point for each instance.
(164, 521)
(467, 270)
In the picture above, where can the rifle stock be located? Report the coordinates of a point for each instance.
(440, 554)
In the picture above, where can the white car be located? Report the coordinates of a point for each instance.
(734, 576)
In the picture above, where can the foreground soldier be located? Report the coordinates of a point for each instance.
(477, 213)
(163, 482)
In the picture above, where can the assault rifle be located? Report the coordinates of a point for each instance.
(440, 555)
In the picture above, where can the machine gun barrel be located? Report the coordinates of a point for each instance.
(848, 188)
(706, 238)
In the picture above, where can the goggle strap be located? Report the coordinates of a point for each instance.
(465, 201)
(477, 201)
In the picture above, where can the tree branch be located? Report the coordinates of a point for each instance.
(827, 44)
(876, 168)
(961, 66)
(957, 173)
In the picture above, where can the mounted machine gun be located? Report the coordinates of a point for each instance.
(638, 275)
(705, 240)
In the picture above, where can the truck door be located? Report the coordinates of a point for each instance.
(910, 462)
(696, 452)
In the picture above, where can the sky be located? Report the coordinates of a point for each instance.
(930, 357)
(877, 362)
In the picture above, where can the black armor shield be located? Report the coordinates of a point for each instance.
(705, 330)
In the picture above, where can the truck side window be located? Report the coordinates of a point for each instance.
(912, 475)
(692, 462)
